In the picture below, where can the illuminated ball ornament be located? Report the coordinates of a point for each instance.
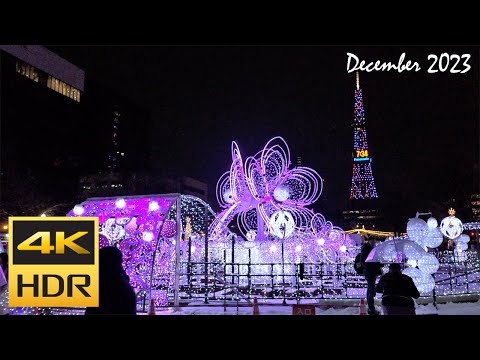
(169, 229)
(432, 223)
(120, 203)
(433, 238)
(281, 193)
(428, 264)
(451, 226)
(464, 238)
(282, 224)
(227, 196)
(416, 229)
(78, 210)
(424, 284)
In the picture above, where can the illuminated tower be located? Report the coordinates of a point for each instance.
(363, 183)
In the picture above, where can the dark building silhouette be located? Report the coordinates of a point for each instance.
(58, 127)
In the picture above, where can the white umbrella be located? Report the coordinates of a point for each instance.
(395, 251)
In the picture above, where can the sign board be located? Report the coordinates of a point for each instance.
(298, 309)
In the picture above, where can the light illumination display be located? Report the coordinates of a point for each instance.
(363, 183)
(262, 185)
(451, 226)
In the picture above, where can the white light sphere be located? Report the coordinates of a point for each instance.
(282, 224)
(173, 242)
(412, 272)
(416, 229)
(147, 236)
(281, 193)
(78, 210)
(193, 248)
(43, 215)
(412, 252)
(433, 238)
(153, 206)
(120, 203)
(428, 264)
(464, 238)
(451, 227)
(424, 284)
(343, 248)
(432, 223)
(273, 248)
(298, 248)
(227, 196)
(462, 246)
(321, 241)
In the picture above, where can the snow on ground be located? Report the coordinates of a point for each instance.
(466, 308)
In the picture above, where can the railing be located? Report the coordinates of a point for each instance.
(277, 282)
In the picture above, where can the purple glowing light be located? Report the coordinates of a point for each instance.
(262, 185)
(78, 210)
(298, 248)
(169, 229)
(120, 203)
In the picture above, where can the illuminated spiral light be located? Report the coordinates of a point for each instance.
(78, 210)
(254, 189)
(432, 223)
(120, 203)
(169, 229)
(227, 196)
(428, 264)
(153, 206)
(281, 193)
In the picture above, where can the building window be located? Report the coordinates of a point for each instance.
(27, 71)
(51, 82)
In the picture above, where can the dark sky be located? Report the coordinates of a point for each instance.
(422, 128)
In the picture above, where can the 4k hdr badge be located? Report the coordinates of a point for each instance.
(53, 261)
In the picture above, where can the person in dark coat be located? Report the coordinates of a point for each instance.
(398, 292)
(116, 295)
(370, 270)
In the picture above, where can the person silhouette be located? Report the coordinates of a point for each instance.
(116, 295)
(370, 271)
(398, 292)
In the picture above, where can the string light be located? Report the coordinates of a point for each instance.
(363, 183)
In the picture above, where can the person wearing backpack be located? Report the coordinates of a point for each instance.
(370, 271)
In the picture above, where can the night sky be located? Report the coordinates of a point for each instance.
(422, 128)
